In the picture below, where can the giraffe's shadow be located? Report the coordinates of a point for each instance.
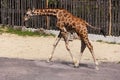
(70, 64)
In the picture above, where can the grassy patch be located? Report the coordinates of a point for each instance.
(22, 33)
(111, 42)
(118, 43)
(99, 41)
(108, 42)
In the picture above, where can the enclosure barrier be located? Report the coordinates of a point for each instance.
(99, 13)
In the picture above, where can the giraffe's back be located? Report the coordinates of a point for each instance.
(71, 22)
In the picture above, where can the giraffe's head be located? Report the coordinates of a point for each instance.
(28, 14)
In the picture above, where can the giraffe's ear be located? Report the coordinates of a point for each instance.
(33, 9)
(28, 9)
(29, 12)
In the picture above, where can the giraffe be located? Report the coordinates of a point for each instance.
(66, 22)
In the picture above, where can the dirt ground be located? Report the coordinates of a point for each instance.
(39, 48)
(24, 58)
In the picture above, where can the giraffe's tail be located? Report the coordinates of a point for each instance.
(101, 30)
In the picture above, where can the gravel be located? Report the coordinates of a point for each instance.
(95, 37)
(112, 39)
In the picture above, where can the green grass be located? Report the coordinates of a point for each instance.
(118, 43)
(22, 33)
(111, 42)
(108, 42)
(99, 41)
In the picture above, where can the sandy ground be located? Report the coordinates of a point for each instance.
(24, 58)
(39, 48)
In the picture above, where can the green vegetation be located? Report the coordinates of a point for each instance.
(111, 42)
(99, 41)
(108, 42)
(23, 33)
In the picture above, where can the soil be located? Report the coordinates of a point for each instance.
(24, 58)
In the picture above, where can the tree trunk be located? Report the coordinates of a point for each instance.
(110, 18)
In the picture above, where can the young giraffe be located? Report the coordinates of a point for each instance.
(66, 22)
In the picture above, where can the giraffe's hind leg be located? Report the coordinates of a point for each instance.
(83, 46)
(86, 41)
(54, 46)
(65, 37)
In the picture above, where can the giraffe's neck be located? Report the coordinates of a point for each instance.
(46, 12)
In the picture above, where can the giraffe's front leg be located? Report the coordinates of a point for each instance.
(54, 46)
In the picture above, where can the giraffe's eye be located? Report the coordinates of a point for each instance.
(26, 15)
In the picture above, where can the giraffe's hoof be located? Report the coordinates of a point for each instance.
(76, 63)
(97, 63)
(49, 60)
(76, 66)
(96, 68)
